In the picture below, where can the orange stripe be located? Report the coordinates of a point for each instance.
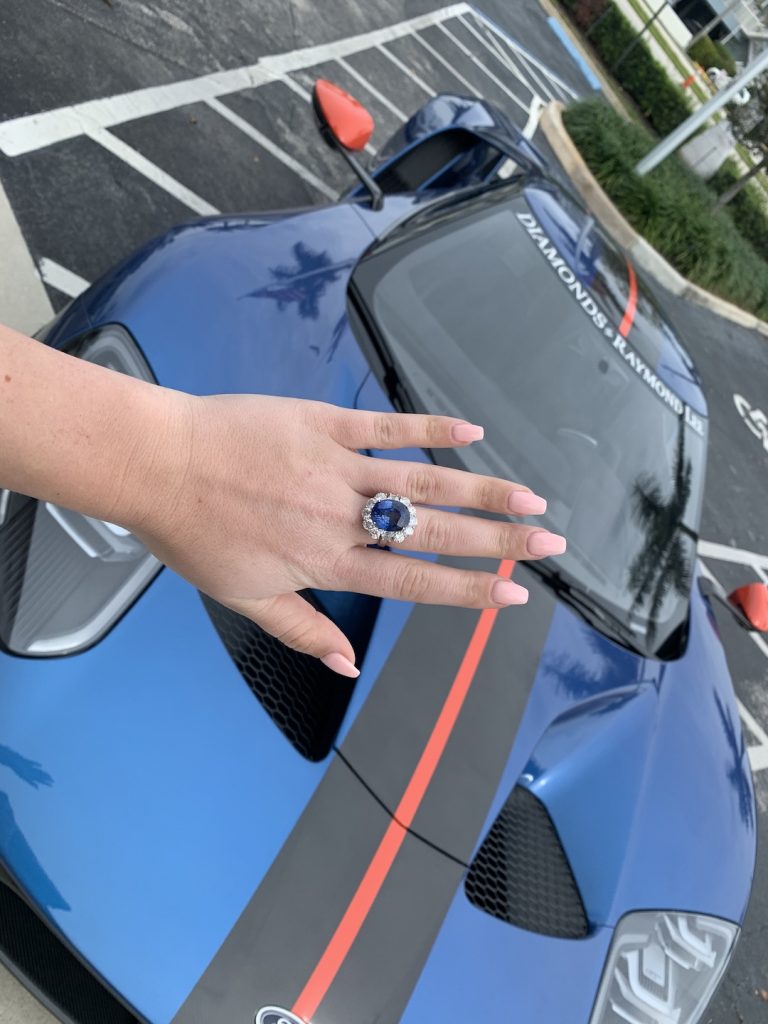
(629, 312)
(354, 917)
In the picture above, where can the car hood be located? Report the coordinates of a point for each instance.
(158, 817)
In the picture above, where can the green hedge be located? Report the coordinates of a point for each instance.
(662, 103)
(711, 54)
(671, 207)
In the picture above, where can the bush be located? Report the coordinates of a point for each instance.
(661, 102)
(671, 207)
(711, 54)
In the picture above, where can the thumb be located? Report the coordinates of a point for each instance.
(298, 625)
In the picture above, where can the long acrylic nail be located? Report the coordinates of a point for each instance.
(337, 662)
(542, 543)
(526, 503)
(508, 592)
(466, 433)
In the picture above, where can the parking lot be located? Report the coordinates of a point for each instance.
(143, 116)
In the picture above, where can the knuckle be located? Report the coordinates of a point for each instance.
(415, 580)
(488, 493)
(421, 485)
(440, 534)
(301, 635)
(386, 429)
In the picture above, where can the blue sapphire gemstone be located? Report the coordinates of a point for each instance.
(390, 514)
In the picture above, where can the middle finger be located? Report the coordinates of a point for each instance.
(449, 533)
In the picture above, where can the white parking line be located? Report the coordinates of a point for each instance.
(493, 49)
(726, 553)
(407, 71)
(468, 53)
(61, 279)
(517, 48)
(285, 158)
(439, 57)
(508, 60)
(156, 174)
(34, 131)
(372, 89)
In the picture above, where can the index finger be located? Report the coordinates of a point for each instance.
(358, 428)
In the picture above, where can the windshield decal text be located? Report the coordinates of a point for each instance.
(600, 320)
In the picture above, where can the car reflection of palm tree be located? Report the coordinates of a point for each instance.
(304, 283)
(600, 668)
(14, 847)
(663, 563)
(738, 771)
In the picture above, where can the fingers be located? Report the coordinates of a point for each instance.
(426, 484)
(298, 625)
(447, 533)
(382, 574)
(356, 428)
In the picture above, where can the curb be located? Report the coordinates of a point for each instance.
(619, 228)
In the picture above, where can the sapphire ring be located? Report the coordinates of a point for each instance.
(389, 517)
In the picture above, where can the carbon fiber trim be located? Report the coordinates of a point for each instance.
(521, 873)
(50, 970)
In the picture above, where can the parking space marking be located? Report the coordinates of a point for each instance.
(493, 49)
(446, 64)
(758, 753)
(372, 89)
(407, 71)
(248, 129)
(490, 42)
(155, 174)
(63, 280)
(726, 553)
(521, 50)
(34, 131)
(483, 68)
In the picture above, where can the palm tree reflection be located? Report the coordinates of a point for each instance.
(738, 773)
(303, 283)
(663, 564)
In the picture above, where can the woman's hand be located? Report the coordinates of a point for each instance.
(260, 497)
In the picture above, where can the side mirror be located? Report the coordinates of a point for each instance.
(752, 601)
(346, 126)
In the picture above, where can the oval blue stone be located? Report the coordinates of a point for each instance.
(390, 514)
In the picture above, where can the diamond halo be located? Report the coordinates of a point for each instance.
(377, 533)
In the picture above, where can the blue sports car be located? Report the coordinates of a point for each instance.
(542, 816)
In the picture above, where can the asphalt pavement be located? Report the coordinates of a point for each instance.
(146, 115)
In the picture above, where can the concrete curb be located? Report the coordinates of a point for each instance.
(644, 255)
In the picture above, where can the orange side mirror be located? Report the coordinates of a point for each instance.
(348, 121)
(752, 601)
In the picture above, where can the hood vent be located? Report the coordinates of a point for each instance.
(50, 971)
(521, 873)
(304, 699)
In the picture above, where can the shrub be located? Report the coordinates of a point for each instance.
(711, 54)
(671, 207)
(661, 102)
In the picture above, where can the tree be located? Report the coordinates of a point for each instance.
(750, 127)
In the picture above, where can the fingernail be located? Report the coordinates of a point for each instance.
(338, 663)
(466, 433)
(508, 592)
(525, 503)
(542, 543)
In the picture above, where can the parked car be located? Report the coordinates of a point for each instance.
(543, 816)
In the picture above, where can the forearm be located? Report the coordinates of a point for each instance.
(80, 435)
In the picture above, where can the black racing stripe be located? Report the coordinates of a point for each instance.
(281, 935)
(275, 944)
(390, 732)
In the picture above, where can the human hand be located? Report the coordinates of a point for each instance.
(266, 500)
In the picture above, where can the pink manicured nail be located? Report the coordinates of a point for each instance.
(466, 433)
(338, 663)
(525, 503)
(507, 592)
(542, 543)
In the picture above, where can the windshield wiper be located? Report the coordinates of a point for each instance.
(593, 613)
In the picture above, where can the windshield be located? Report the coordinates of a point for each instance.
(482, 324)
